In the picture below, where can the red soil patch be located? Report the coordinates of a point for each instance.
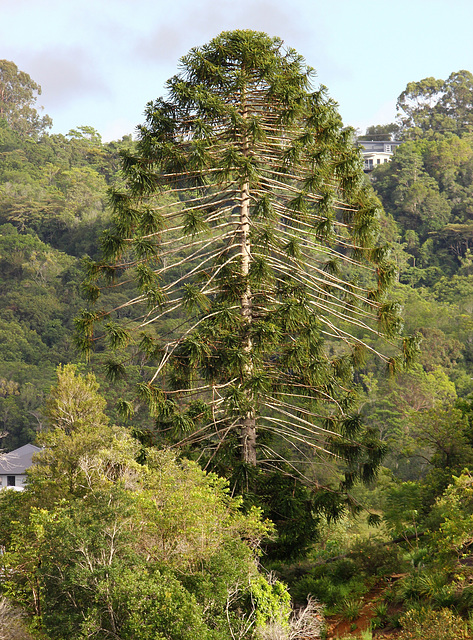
(337, 627)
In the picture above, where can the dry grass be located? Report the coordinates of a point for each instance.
(305, 624)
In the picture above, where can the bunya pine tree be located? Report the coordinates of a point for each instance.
(252, 238)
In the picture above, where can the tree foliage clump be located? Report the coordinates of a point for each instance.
(245, 215)
(53, 208)
(425, 624)
(100, 545)
(18, 95)
(434, 106)
(427, 188)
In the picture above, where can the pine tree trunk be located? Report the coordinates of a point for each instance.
(248, 422)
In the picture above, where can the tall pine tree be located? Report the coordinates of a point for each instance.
(245, 219)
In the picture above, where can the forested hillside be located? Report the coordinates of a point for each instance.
(246, 401)
(53, 209)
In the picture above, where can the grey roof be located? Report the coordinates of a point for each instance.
(378, 145)
(16, 462)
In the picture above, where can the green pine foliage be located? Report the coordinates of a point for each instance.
(244, 211)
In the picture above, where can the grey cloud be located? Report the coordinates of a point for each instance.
(169, 40)
(164, 44)
(66, 75)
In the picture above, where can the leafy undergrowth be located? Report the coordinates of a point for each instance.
(380, 616)
(378, 589)
(375, 618)
(418, 605)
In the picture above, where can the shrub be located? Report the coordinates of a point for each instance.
(325, 590)
(425, 624)
(418, 557)
(380, 611)
(408, 589)
(350, 608)
(378, 559)
(342, 570)
(430, 586)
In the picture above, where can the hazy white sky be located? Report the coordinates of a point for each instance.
(100, 61)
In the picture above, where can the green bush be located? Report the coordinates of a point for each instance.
(380, 611)
(426, 624)
(377, 559)
(350, 608)
(342, 570)
(408, 589)
(428, 586)
(326, 591)
(418, 557)
(438, 590)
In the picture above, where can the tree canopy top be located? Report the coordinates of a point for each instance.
(18, 95)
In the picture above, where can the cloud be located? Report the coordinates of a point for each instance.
(197, 23)
(66, 75)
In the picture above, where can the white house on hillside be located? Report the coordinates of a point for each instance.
(13, 466)
(376, 152)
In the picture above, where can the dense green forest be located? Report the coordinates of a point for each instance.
(238, 451)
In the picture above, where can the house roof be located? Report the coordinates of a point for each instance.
(16, 462)
(378, 145)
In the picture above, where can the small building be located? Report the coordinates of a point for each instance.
(13, 466)
(376, 152)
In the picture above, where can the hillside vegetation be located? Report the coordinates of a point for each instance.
(141, 518)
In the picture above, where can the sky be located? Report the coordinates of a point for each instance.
(100, 61)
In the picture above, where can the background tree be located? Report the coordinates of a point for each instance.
(18, 95)
(245, 210)
(381, 132)
(431, 106)
(427, 188)
(410, 194)
(78, 428)
(53, 208)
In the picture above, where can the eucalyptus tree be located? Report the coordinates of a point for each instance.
(18, 95)
(431, 106)
(245, 217)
